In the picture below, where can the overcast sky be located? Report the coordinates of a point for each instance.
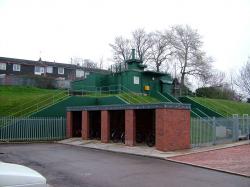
(59, 30)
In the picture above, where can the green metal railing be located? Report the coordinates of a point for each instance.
(28, 103)
(132, 97)
(195, 105)
(32, 129)
(119, 90)
(97, 91)
(40, 103)
(209, 104)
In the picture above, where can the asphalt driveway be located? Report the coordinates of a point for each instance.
(66, 166)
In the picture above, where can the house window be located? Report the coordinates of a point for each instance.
(49, 69)
(2, 66)
(60, 70)
(16, 67)
(39, 70)
(136, 80)
(79, 73)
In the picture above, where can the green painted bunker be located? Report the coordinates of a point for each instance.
(129, 104)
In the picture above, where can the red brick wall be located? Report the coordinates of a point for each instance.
(105, 126)
(69, 125)
(130, 128)
(172, 129)
(85, 125)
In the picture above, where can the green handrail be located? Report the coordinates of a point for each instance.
(38, 105)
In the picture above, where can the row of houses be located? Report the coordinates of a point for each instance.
(13, 66)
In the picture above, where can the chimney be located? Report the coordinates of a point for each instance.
(133, 54)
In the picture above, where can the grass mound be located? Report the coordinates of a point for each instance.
(16, 98)
(225, 107)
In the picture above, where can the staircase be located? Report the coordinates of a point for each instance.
(171, 98)
(199, 109)
(159, 96)
(133, 98)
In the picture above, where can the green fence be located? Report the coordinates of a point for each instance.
(32, 129)
(214, 131)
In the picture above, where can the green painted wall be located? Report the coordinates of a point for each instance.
(109, 101)
(114, 78)
(166, 88)
(151, 81)
(126, 79)
(93, 80)
(84, 83)
(59, 109)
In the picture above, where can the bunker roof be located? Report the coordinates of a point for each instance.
(154, 73)
(131, 106)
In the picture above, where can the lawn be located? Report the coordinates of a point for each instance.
(137, 99)
(225, 107)
(128, 97)
(16, 98)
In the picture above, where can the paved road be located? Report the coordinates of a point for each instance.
(67, 166)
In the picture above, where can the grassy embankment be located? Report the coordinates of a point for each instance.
(225, 107)
(17, 98)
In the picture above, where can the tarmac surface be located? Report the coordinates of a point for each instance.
(233, 157)
(66, 166)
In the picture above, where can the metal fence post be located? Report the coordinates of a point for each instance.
(214, 131)
(248, 126)
(235, 128)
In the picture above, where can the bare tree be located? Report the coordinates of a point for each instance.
(243, 79)
(214, 78)
(89, 64)
(181, 44)
(159, 52)
(187, 48)
(121, 49)
(100, 63)
(77, 61)
(142, 42)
